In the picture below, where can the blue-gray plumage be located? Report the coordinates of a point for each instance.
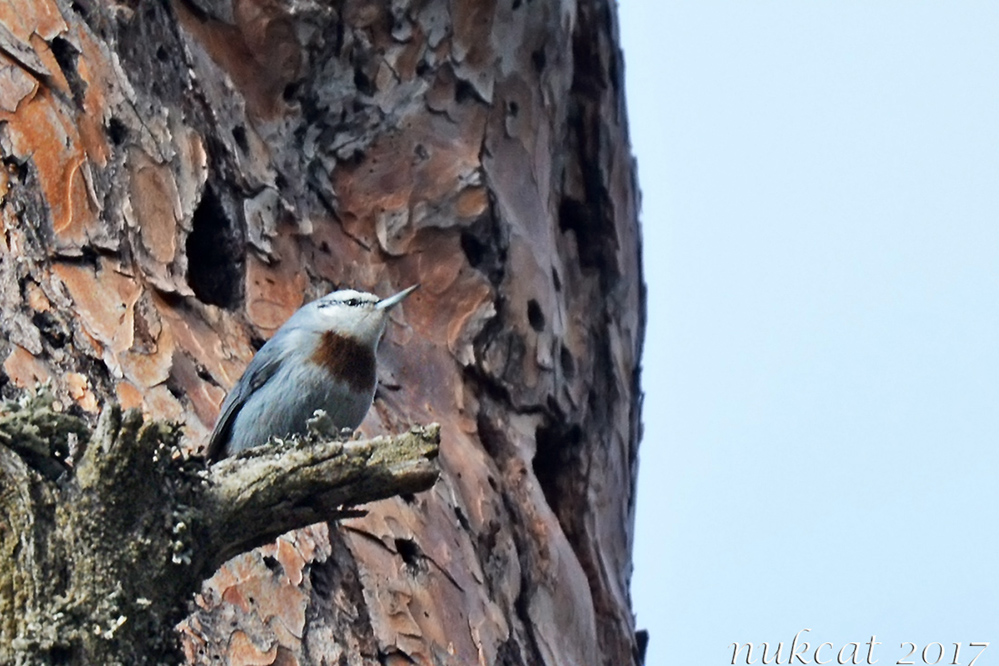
(323, 357)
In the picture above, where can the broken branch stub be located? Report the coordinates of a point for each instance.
(263, 493)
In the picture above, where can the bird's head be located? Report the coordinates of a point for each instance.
(355, 314)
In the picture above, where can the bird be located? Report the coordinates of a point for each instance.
(323, 357)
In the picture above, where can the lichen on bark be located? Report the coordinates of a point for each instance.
(101, 560)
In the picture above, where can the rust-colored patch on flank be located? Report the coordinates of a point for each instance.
(347, 360)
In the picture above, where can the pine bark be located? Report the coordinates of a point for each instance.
(180, 175)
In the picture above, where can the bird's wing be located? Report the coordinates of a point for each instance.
(261, 368)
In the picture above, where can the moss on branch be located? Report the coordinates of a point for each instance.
(108, 535)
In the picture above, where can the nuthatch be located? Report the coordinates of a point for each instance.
(323, 357)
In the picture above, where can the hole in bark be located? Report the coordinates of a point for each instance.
(422, 68)
(464, 91)
(89, 257)
(568, 364)
(556, 280)
(271, 563)
(50, 328)
(572, 215)
(539, 60)
(363, 82)
(473, 248)
(556, 443)
(484, 248)
(324, 578)
(239, 134)
(16, 168)
(66, 56)
(535, 316)
(408, 551)
(594, 240)
(214, 260)
(513, 109)
(117, 131)
(516, 4)
(161, 54)
(289, 92)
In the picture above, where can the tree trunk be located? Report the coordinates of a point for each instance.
(180, 176)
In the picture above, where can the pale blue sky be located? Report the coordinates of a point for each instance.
(821, 224)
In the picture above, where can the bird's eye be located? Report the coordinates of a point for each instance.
(352, 302)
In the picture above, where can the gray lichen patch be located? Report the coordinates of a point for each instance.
(102, 551)
(36, 427)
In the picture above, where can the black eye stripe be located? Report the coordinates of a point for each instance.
(350, 302)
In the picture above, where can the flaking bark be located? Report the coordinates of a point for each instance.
(178, 176)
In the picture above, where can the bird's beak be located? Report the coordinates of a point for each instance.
(387, 303)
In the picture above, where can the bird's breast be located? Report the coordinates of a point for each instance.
(347, 360)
